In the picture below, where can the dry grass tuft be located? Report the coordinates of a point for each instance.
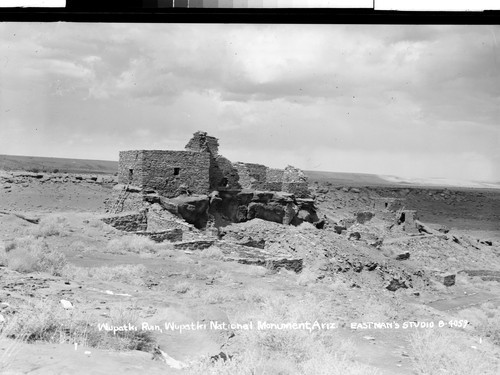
(47, 321)
(182, 287)
(213, 252)
(442, 351)
(31, 254)
(484, 320)
(126, 273)
(307, 277)
(287, 351)
(52, 225)
(131, 244)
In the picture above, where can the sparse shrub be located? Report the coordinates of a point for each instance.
(183, 258)
(182, 287)
(79, 247)
(213, 252)
(95, 223)
(307, 277)
(256, 270)
(485, 321)
(46, 320)
(329, 362)
(223, 276)
(55, 170)
(246, 363)
(440, 351)
(254, 295)
(131, 244)
(132, 274)
(30, 254)
(52, 225)
(215, 296)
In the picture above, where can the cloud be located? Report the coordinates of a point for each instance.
(276, 94)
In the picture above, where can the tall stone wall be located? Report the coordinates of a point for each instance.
(251, 176)
(130, 168)
(201, 142)
(201, 170)
(223, 175)
(299, 189)
(292, 174)
(274, 178)
(166, 171)
(295, 182)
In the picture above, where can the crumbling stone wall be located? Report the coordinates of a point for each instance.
(295, 182)
(252, 176)
(201, 142)
(223, 175)
(388, 204)
(274, 179)
(200, 170)
(406, 218)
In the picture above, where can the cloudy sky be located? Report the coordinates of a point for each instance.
(413, 101)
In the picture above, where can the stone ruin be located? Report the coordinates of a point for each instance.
(207, 190)
(186, 196)
(199, 169)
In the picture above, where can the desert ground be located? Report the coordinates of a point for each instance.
(375, 293)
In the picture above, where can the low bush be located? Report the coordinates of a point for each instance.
(127, 273)
(182, 287)
(307, 277)
(47, 321)
(52, 225)
(131, 244)
(446, 352)
(30, 254)
(213, 252)
(484, 320)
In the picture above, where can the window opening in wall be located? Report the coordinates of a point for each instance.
(224, 182)
(177, 171)
(130, 174)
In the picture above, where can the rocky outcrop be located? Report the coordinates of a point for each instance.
(238, 206)
(364, 216)
(193, 209)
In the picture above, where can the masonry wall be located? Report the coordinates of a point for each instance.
(274, 178)
(202, 142)
(166, 171)
(251, 176)
(299, 189)
(223, 174)
(130, 167)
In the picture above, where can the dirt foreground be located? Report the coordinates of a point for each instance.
(81, 297)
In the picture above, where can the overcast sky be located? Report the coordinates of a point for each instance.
(414, 101)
